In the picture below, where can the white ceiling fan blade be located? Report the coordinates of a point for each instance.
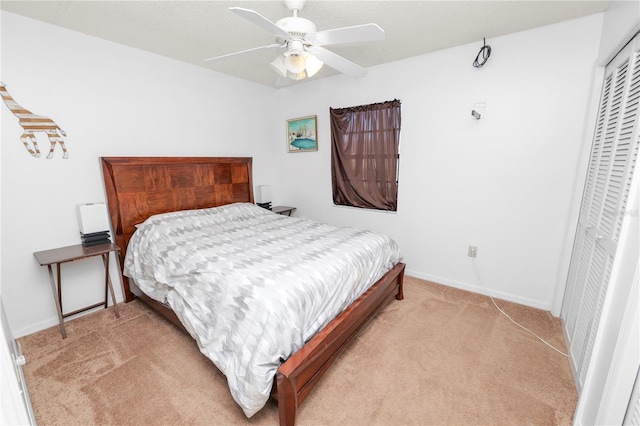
(355, 34)
(243, 52)
(338, 62)
(261, 21)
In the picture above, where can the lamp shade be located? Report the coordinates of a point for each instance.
(92, 218)
(296, 64)
(263, 194)
(295, 61)
(313, 64)
(278, 65)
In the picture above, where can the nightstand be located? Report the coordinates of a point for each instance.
(61, 255)
(283, 210)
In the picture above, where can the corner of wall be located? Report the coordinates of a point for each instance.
(620, 23)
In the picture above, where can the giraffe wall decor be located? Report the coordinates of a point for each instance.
(32, 123)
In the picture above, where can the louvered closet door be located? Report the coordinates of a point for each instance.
(612, 161)
(632, 417)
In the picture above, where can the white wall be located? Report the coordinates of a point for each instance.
(112, 101)
(504, 183)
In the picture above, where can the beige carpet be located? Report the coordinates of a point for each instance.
(440, 357)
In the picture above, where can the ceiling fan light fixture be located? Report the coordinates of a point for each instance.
(295, 61)
(299, 76)
(313, 64)
(279, 66)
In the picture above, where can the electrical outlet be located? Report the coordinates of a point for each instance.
(473, 251)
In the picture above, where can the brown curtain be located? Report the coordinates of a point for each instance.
(364, 155)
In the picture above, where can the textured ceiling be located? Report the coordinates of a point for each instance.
(192, 31)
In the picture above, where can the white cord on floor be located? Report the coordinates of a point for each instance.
(511, 319)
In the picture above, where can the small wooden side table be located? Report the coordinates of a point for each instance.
(70, 254)
(283, 210)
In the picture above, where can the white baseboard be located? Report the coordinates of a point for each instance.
(52, 322)
(538, 304)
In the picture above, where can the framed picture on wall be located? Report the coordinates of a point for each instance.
(302, 134)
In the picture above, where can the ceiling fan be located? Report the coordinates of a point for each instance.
(304, 54)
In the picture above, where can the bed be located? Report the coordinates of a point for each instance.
(144, 190)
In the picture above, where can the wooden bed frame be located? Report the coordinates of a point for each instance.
(138, 187)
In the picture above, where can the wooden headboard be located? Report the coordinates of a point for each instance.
(139, 187)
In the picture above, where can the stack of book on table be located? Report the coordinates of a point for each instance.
(95, 238)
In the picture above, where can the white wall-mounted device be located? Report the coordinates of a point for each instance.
(478, 110)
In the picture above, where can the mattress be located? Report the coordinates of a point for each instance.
(252, 286)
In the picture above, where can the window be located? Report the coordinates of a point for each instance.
(364, 155)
